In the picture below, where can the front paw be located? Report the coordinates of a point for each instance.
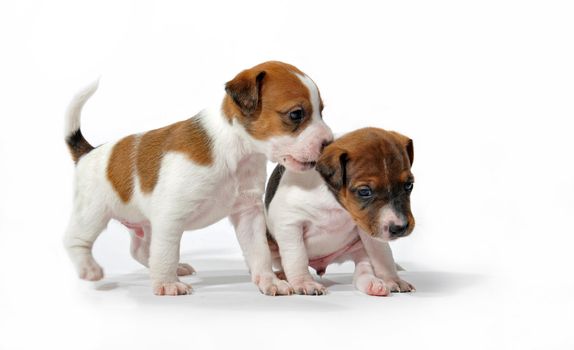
(171, 288)
(269, 284)
(308, 286)
(396, 284)
(371, 285)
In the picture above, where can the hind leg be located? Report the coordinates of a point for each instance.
(84, 227)
(184, 269)
(140, 245)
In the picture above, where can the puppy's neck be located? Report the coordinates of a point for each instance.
(230, 139)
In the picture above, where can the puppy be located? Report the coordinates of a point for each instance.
(193, 173)
(349, 209)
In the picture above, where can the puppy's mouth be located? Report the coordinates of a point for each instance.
(292, 163)
(383, 236)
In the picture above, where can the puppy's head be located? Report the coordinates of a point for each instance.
(369, 172)
(280, 108)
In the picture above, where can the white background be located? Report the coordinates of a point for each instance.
(484, 88)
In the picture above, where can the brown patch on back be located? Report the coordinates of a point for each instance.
(120, 169)
(188, 137)
(260, 98)
(372, 157)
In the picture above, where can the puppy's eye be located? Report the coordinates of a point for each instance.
(409, 186)
(364, 192)
(296, 115)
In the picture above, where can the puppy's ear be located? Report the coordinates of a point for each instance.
(407, 143)
(245, 90)
(332, 165)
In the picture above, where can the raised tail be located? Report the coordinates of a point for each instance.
(76, 142)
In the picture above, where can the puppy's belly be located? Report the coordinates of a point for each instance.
(198, 211)
(214, 208)
(209, 212)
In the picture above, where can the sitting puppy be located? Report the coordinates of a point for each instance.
(356, 201)
(193, 173)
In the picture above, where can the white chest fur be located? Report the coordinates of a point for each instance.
(303, 200)
(334, 231)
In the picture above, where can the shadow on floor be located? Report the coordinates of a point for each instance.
(229, 276)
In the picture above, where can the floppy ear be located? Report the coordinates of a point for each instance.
(407, 144)
(332, 165)
(245, 89)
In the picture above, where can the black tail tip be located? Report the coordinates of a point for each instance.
(78, 145)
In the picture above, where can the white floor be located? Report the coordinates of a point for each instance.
(456, 307)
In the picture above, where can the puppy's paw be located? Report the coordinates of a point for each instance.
(171, 288)
(90, 271)
(396, 284)
(308, 286)
(185, 269)
(371, 285)
(269, 284)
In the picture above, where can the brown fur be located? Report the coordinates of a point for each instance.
(260, 98)
(121, 167)
(187, 137)
(359, 158)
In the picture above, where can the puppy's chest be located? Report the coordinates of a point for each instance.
(332, 230)
(331, 221)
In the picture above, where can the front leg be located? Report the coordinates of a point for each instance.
(248, 219)
(364, 278)
(295, 260)
(164, 258)
(381, 258)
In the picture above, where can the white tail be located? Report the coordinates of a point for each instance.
(73, 113)
(76, 142)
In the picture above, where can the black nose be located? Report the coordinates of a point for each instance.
(325, 144)
(398, 231)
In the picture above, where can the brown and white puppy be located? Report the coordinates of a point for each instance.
(193, 173)
(349, 209)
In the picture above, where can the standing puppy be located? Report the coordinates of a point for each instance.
(193, 173)
(356, 201)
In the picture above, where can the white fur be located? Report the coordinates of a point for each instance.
(388, 217)
(75, 107)
(291, 151)
(308, 223)
(187, 196)
(314, 94)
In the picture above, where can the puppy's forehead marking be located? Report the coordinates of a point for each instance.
(313, 93)
(386, 175)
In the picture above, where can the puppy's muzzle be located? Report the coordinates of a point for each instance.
(397, 231)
